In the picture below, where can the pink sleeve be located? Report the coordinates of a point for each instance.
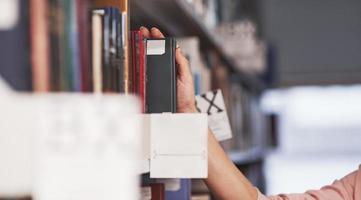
(348, 188)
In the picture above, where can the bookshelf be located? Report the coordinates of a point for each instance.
(186, 22)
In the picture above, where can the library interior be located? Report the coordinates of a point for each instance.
(256, 99)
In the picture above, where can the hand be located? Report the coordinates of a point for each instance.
(185, 85)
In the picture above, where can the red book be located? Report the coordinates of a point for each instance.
(83, 22)
(138, 66)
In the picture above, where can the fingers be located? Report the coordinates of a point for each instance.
(153, 33)
(182, 64)
(145, 32)
(156, 33)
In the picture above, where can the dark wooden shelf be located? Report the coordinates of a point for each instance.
(247, 156)
(177, 18)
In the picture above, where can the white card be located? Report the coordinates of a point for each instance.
(179, 146)
(212, 103)
(87, 148)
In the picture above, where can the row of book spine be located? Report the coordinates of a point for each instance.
(78, 47)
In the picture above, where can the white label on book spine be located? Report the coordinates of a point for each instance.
(212, 104)
(155, 47)
(9, 14)
(179, 146)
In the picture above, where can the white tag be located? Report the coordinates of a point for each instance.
(179, 146)
(9, 14)
(212, 103)
(87, 148)
(155, 47)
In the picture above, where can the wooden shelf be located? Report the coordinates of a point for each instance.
(246, 157)
(177, 18)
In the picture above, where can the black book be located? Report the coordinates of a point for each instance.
(120, 54)
(161, 76)
(15, 66)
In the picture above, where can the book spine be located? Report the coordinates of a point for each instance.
(39, 45)
(106, 50)
(142, 66)
(75, 68)
(113, 50)
(54, 25)
(84, 41)
(67, 50)
(120, 54)
(97, 36)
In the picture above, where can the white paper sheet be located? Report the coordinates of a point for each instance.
(212, 103)
(179, 146)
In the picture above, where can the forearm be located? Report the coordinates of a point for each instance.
(224, 179)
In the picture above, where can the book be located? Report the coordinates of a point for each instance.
(84, 34)
(161, 76)
(15, 51)
(40, 58)
(138, 66)
(97, 35)
(112, 52)
(123, 6)
(54, 34)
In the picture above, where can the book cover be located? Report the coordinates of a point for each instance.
(161, 76)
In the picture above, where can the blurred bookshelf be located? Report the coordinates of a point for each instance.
(213, 66)
(248, 156)
(178, 18)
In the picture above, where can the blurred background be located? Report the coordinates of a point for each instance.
(293, 86)
(289, 70)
